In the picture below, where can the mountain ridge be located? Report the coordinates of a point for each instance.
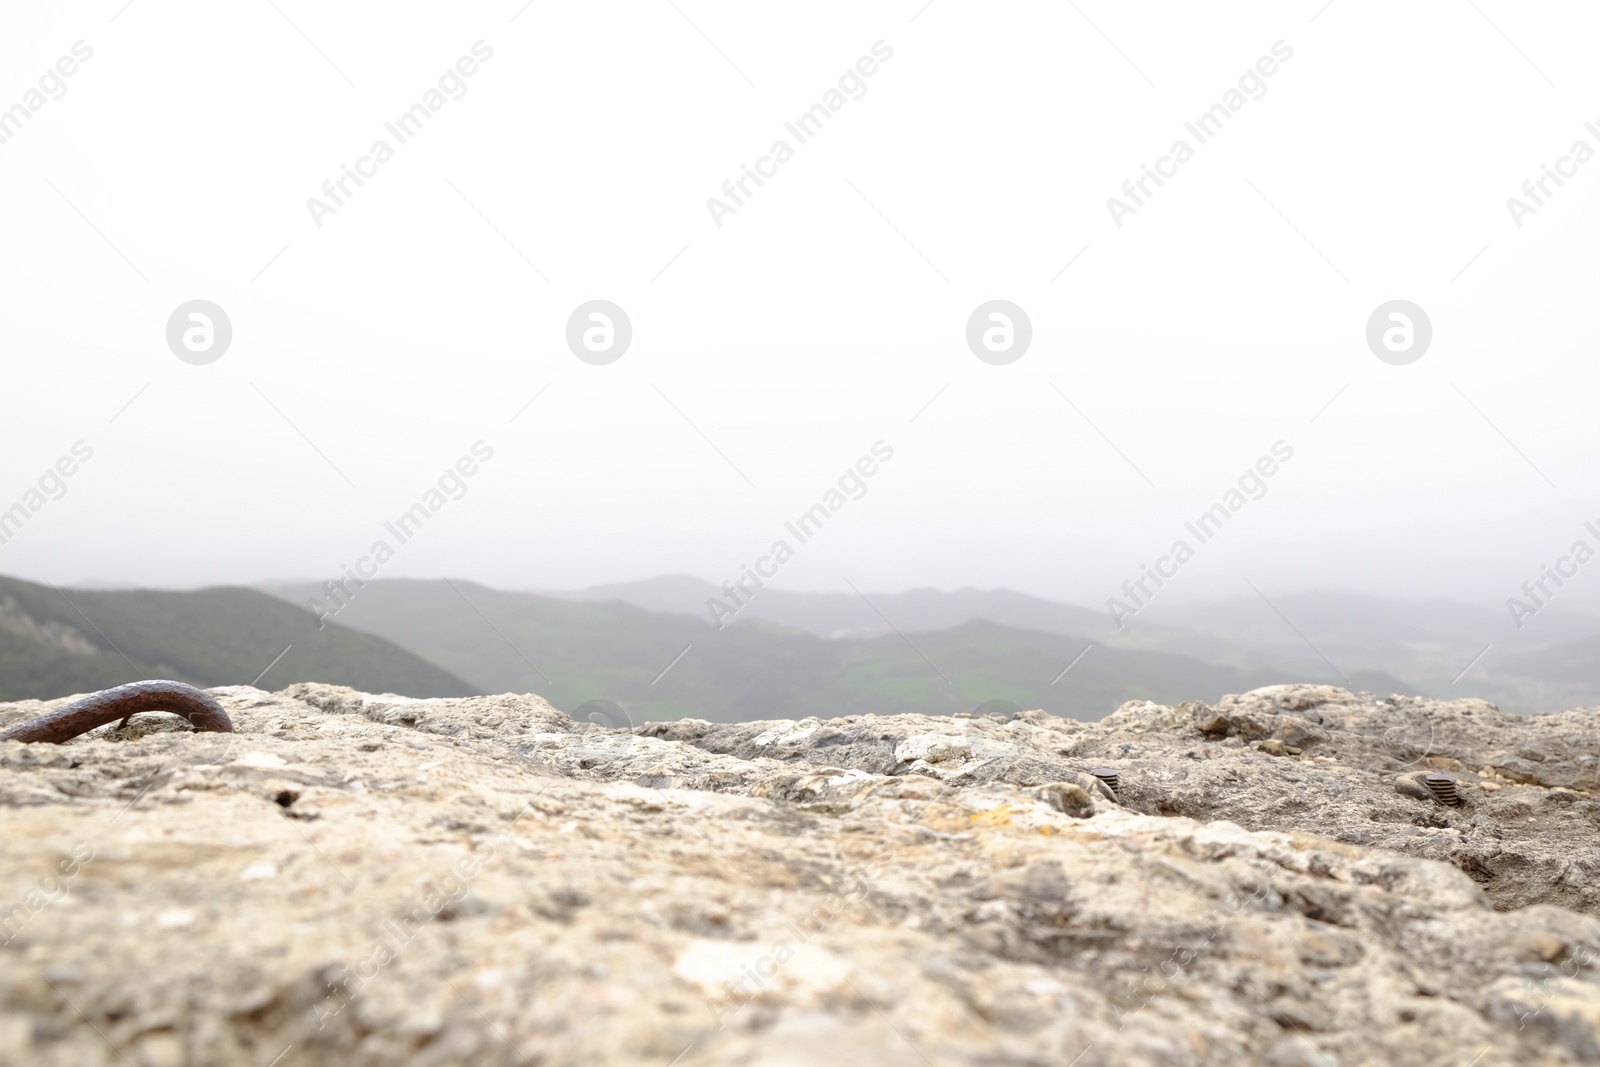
(665, 665)
(54, 641)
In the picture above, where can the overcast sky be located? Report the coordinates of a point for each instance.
(373, 344)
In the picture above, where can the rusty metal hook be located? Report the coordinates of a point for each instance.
(124, 702)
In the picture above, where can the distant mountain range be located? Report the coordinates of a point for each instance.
(1338, 638)
(58, 642)
(659, 663)
(650, 646)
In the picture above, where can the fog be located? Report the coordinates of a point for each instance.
(944, 524)
(779, 335)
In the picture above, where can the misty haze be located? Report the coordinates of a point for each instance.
(678, 533)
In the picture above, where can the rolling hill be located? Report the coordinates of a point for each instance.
(664, 665)
(1341, 638)
(58, 642)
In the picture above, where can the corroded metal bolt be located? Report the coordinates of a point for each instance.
(1443, 788)
(1112, 780)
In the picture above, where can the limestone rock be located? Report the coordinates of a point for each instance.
(368, 879)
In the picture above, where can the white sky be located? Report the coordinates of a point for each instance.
(807, 327)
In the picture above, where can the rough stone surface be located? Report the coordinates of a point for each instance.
(357, 879)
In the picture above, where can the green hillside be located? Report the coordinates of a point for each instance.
(74, 641)
(573, 651)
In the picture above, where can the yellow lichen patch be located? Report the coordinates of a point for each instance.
(1000, 816)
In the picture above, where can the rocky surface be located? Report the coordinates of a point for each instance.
(1292, 758)
(356, 879)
